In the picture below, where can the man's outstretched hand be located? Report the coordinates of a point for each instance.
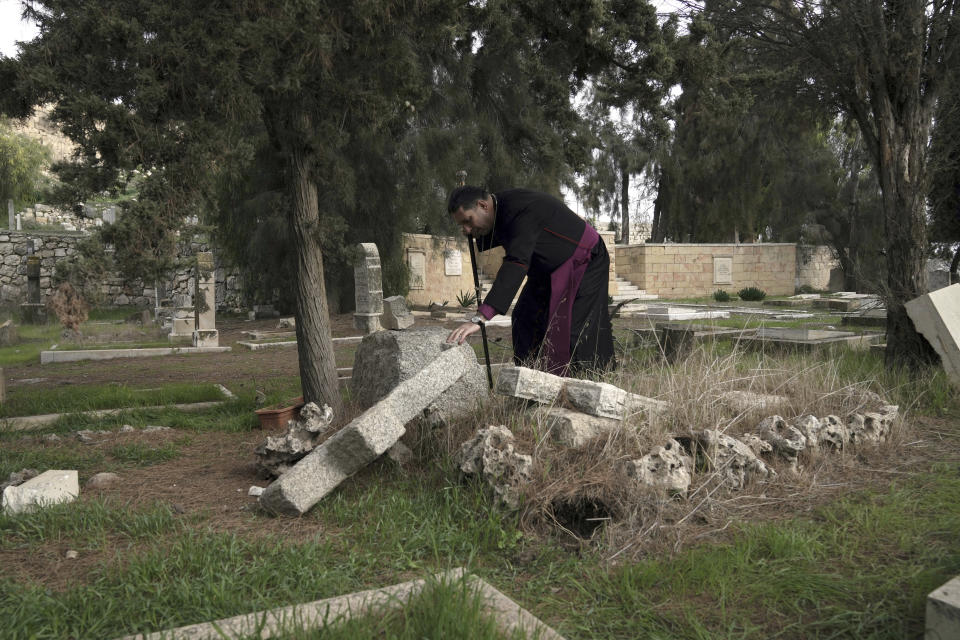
(460, 334)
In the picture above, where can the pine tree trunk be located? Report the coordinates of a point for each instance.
(902, 148)
(318, 368)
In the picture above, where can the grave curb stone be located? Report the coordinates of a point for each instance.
(50, 487)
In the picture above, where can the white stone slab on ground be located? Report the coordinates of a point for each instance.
(529, 384)
(936, 316)
(679, 313)
(50, 487)
(943, 612)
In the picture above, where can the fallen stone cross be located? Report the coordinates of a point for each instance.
(367, 437)
(529, 384)
(936, 317)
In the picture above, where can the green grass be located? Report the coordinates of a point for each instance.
(26, 401)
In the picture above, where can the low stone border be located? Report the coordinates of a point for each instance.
(257, 346)
(50, 357)
(507, 614)
(26, 423)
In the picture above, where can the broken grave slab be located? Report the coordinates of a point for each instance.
(529, 384)
(936, 316)
(608, 401)
(50, 487)
(572, 428)
(366, 437)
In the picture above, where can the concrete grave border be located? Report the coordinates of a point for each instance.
(51, 357)
(507, 614)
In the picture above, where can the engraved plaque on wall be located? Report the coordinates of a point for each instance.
(417, 261)
(452, 262)
(722, 270)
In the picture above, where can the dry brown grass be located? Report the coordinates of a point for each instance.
(580, 495)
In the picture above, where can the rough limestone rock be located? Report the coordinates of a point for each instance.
(367, 437)
(529, 384)
(810, 427)
(279, 453)
(734, 460)
(757, 445)
(491, 456)
(386, 358)
(868, 428)
(608, 401)
(572, 428)
(833, 433)
(102, 480)
(742, 401)
(396, 315)
(667, 467)
(48, 488)
(786, 440)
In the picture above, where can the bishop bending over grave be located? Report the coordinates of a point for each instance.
(561, 318)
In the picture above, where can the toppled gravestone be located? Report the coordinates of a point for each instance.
(386, 358)
(608, 401)
(395, 314)
(529, 384)
(667, 467)
(733, 460)
(368, 436)
(279, 453)
(572, 428)
(750, 400)
(490, 455)
(48, 488)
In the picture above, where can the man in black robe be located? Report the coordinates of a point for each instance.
(560, 321)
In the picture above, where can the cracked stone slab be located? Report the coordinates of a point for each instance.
(529, 384)
(609, 401)
(367, 437)
(572, 428)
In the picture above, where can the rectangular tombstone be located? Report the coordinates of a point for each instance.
(936, 317)
(206, 292)
(607, 401)
(366, 437)
(574, 429)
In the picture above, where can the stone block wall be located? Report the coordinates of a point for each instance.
(814, 265)
(53, 246)
(687, 270)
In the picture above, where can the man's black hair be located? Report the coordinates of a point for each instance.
(466, 197)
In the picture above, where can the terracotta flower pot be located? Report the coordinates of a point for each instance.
(277, 416)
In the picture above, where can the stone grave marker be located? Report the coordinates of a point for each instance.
(368, 289)
(205, 332)
(936, 317)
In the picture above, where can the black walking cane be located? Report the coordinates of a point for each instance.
(483, 327)
(462, 179)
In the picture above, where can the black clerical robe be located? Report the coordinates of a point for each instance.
(561, 319)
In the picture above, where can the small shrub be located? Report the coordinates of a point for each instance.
(69, 307)
(721, 296)
(752, 294)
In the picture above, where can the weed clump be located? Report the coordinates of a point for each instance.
(752, 294)
(70, 308)
(721, 296)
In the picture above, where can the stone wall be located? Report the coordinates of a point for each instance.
(697, 270)
(52, 246)
(814, 266)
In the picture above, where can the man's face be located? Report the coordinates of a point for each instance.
(477, 221)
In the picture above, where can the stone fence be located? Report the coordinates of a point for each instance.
(51, 246)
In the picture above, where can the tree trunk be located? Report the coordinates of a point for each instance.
(625, 206)
(955, 267)
(318, 368)
(902, 171)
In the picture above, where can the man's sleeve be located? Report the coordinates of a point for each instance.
(516, 262)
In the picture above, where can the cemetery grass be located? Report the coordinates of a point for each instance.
(849, 549)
